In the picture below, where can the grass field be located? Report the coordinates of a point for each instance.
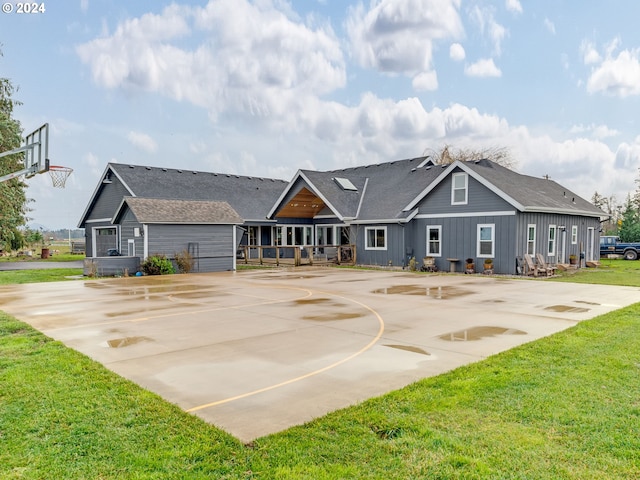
(565, 406)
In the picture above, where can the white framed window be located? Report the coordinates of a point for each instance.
(294, 235)
(551, 244)
(531, 239)
(459, 188)
(486, 240)
(574, 234)
(376, 238)
(434, 240)
(254, 235)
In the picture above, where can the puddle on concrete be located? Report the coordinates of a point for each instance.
(196, 295)
(330, 317)
(566, 308)
(442, 292)
(478, 333)
(586, 303)
(285, 276)
(318, 301)
(409, 348)
(127, 341)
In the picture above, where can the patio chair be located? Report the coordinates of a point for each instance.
(532, 268)
(551, 269)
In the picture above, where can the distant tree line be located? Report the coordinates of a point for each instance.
(624, 218)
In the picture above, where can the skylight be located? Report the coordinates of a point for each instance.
(345, 184)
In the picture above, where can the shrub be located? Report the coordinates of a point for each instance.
(184, 261)
(157, 264)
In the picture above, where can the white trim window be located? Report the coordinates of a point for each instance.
(486, 247)
(552, 240)
(574, 234)
(531, 239)
(294, 235)
(459, 188)
(434, 240)
(375, 238)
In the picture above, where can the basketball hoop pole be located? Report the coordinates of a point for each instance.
(32, 170)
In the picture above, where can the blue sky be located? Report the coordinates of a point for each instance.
(269, 86)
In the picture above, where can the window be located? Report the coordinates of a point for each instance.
(294, 235)
(486, 241)
(434, 240)
(376, 238)
(531, 239)
(551, 250)
(574, 234)
(459, 182)
(254, 235)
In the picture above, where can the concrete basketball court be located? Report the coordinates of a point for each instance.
(255, 352)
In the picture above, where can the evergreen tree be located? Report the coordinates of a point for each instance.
(629, 230)
(13, 201)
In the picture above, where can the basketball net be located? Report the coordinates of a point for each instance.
(59, 175)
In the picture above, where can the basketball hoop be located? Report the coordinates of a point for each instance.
(59, 175)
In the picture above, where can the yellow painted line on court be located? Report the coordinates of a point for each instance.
(310, 374)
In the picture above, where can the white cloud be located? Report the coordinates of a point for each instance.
(484, 18)
(425, 81)
(84, 5)
(549, 25)
(142, 141)
(597, 131)
(616, 75)
(589, 53)
(456, 52)
(397, 36)
(255, 60)
(513, 6)
(483, 68)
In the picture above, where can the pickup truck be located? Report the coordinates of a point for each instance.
(612, 245)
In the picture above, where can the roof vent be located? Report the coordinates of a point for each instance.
(179, 171)
(164, 169)
(148, 168)
(413, 170)
(345, 184)
(194, 172)
(131, 166)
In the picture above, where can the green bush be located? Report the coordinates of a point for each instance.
(157, 264)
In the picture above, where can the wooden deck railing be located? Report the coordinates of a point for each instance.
(297, 256)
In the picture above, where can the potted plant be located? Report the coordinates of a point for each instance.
(469, 266)
(488, 264)
(573, 259)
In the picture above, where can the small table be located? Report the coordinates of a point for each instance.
(452, 264)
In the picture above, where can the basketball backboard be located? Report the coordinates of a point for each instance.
(36, 154)
(36, 157)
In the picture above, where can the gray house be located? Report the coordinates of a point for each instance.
(413, 208)
(199, 212)
(207, 230)
(391, 212)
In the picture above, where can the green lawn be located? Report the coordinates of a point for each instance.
(610, 272)
(9, 277)
(565, 406)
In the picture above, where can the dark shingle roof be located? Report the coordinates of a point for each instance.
(533, 193)
(383, 190)
(154, 210)
(250, 197)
